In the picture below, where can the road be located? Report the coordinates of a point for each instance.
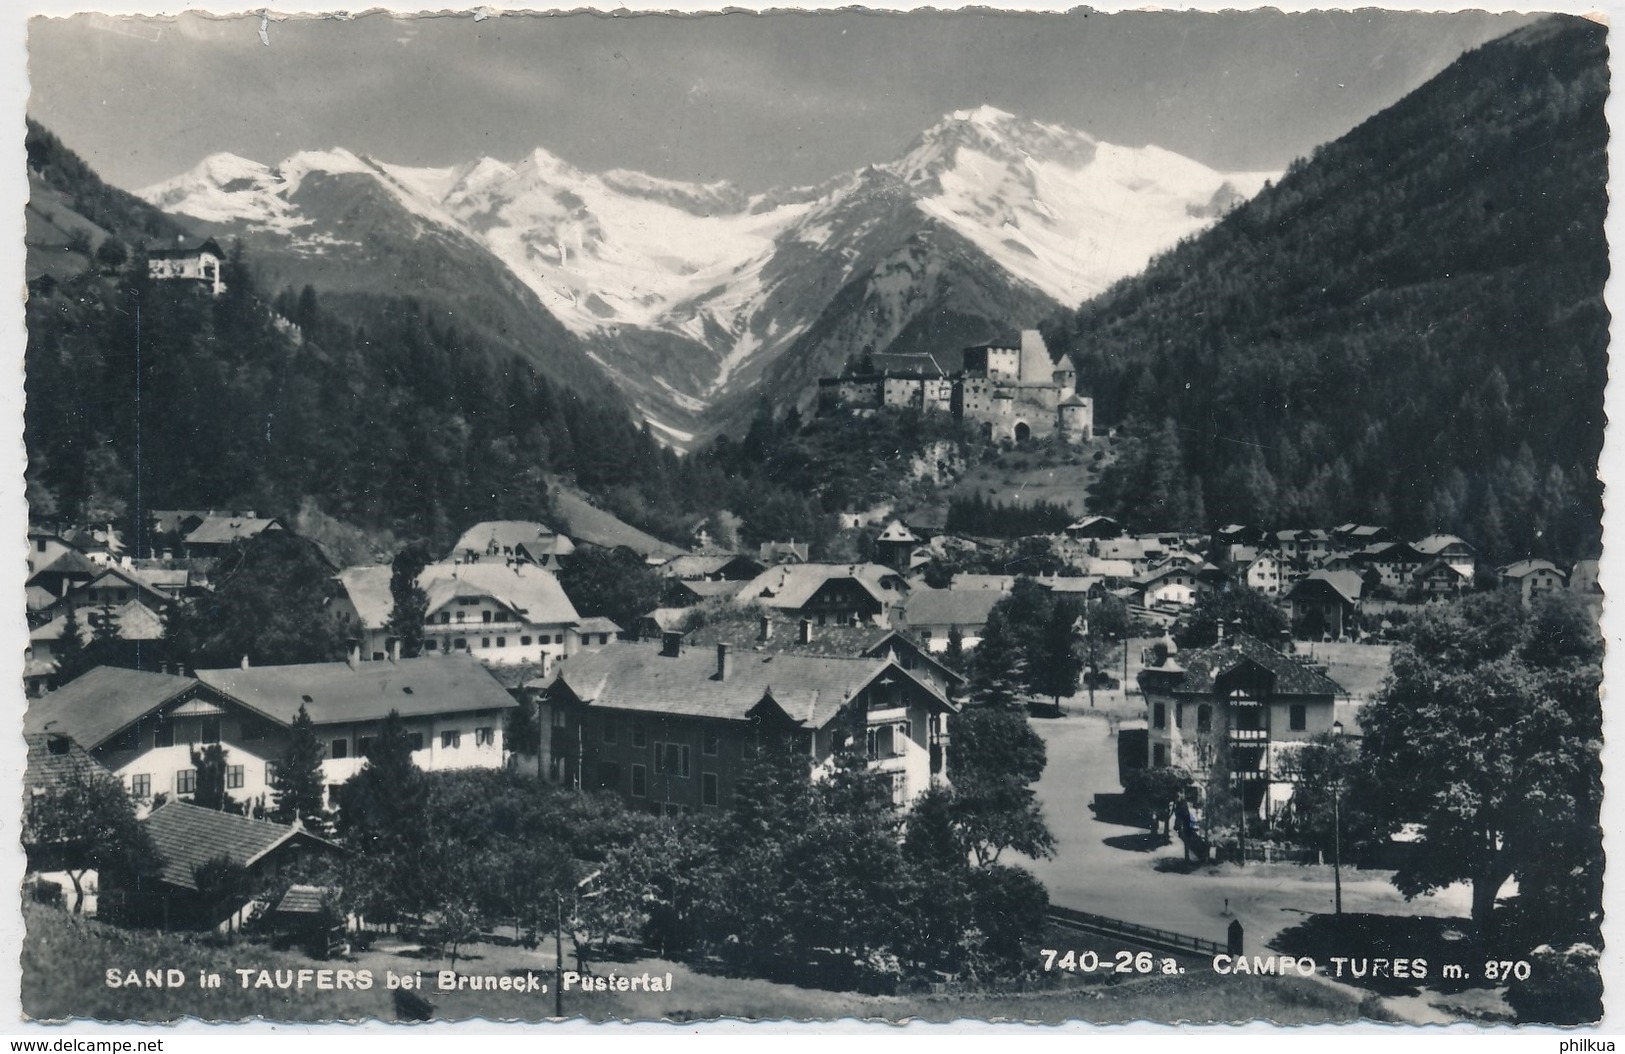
(1112, 870)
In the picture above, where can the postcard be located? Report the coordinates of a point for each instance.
(806, 515)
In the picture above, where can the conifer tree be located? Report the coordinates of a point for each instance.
(70, 649)
(298, 791)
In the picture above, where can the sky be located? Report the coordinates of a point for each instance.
(761, 100)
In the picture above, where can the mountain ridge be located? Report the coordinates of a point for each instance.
(689, 296)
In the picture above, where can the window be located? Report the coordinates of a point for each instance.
(1179, 715)
(430, 644)
(485, 737)
(363, 746)
(672, 759)
(640, 781)
(640, 734)
(560, 718)
(708, 788)
(186, 781)
(460, 643)
(609, 730)
(211, 730)
(524, 642)
(164, 734)
(502, 642)
(899, 788)
(339, 749)
(1204, 718)
(603, 638)
(445, 617)
(234, 777)
(710, 742)
(1298, 717)
(270, 774)
(545, 639)
(461, 615)
(485, 642)
(141, 785)
(1159, 756)
(416, 740)
(485, 616)
(1159, 716)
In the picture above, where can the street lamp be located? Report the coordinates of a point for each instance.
(1337, 818)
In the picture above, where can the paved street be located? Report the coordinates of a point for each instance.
(1111, 870)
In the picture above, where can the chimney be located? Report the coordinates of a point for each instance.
(245, 660)
(1235, 638)
(724, 662)
(1219, 624)
(395, 650)
(163, 667)
(805, 636)
(671, 644)
(766, 631)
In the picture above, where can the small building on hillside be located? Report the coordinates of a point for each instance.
(671, 729)
(1322, 604)
(1532, 578)
(1094, 527)
(200, 264)
(895, 546)
(1440, 578)
(1263, 575)
(1452, 550)
(216, 534)
(511, 541)
(828, 594)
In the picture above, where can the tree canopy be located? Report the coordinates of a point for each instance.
(1488, 735)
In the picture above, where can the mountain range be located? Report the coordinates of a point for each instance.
(694, 300)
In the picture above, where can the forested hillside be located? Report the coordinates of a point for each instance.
(1409, 329)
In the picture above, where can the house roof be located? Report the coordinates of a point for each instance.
(209, 246)
(531, 592)
(1203, 667)
(53, 760)
(707, 589)
(69, 562)
(336, 692)
(1437, 564)
(97, 705)
(168, 521)
(920, 363)
(223, 530)
(598, 624)
(1528, 567)
(1346, 584)
(790, 586)
(865, 641)
(1434, 544)
(969, 580)
(771, 551)
(187, 837)
(302, 900)
(811, 689)
(507, 537)
(694, 565)
(896, 532)
(950, 607)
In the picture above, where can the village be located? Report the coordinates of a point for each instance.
(670, 711)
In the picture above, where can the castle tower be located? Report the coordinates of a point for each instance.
(1036, 364)
(1076, 418)
(1065, 378)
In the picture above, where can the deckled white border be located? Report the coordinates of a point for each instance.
(13, 522)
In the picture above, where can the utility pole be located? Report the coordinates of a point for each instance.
(558, 959)
(1337, 818)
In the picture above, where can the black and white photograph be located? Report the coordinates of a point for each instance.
(811, 515)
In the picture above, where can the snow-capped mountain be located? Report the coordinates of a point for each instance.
(690, 296)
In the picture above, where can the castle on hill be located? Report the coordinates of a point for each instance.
(1014, 388)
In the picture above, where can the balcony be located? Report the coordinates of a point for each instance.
(1258, 736)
